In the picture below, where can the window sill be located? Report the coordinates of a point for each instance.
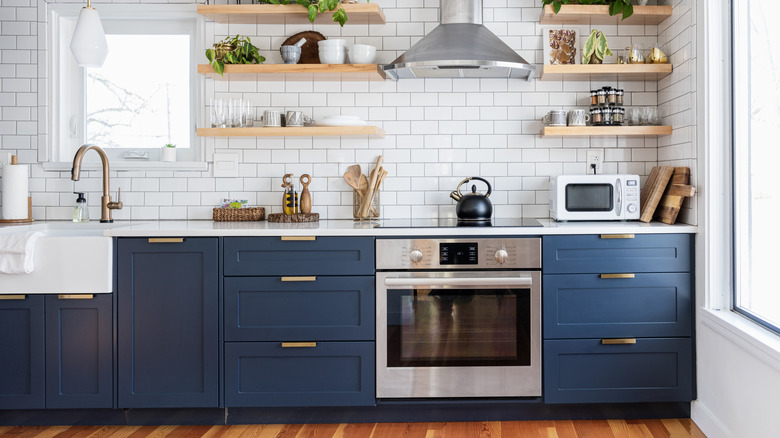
(756, 340)
(131, 165)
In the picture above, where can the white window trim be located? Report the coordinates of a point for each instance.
(55, 47)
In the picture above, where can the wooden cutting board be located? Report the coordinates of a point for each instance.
(289, 218)
(676, 192)
(653, 191)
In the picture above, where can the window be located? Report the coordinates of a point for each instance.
(142, 98)
(756, 154)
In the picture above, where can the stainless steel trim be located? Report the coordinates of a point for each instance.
(444, 282)
(522, 253)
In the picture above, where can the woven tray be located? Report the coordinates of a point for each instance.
(300, 217)
(238, 214)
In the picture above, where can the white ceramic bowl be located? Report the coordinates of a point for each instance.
(362, 54)
(332, 43)
(333, 56)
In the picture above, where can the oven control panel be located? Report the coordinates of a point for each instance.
(493, 253)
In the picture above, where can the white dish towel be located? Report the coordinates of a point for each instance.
(17, 251)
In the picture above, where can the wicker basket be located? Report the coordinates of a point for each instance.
(239, 214)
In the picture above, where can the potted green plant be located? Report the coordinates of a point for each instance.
(316, 6)
(595, 49)
(615, 6)
(169, 152)
(233, 50)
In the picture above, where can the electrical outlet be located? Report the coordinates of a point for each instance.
(595, 157)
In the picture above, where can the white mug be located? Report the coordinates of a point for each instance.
(578, 117)
(297, 118)
(271, 118)
(555, 118)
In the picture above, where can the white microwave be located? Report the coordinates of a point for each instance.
(594, 197)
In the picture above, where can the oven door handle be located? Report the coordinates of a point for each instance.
(482, 282)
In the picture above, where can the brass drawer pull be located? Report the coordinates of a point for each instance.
(299, 238)
(166, 239)
(299, 344)
(617, 236)
(75, 296)
(13, 297)
(285, 279)
(618, 275)
(620, 341)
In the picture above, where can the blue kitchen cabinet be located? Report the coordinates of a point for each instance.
(22, 370)
(618, 318)
(168, 322)
(79, 351)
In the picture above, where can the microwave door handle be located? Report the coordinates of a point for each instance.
(619, 195)
(441, 283)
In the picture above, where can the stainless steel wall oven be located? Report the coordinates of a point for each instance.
(458, 317)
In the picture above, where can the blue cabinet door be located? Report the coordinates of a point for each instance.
(318, 309)
(79, 352)
(601, 254)
(22, 371)
(588, 306)
(168, 333)
(588, 371)
(246, 256)
(299, 374)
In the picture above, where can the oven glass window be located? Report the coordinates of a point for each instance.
(589, 197)
(459, 327)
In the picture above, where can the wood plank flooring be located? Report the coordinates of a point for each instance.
(671, 428)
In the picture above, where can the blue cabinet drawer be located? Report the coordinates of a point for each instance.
(607, 254)
(317, 256)
(303, 374)
(589, 306)
(318, 309)
(587, 371)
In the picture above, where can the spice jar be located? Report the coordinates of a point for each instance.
(611, 96)
(601, 97)
(619, 97)
(596, 116)
(618, 115)
(594, 99)
(606, 115)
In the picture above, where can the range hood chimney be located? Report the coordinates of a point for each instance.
(460, 47)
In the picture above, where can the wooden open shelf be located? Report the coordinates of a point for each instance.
(603, 131)
(605, 72)
(305, 131)
(361, 13)
(299, 72)
(599, 14)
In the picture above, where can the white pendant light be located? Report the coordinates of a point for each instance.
(89, 44)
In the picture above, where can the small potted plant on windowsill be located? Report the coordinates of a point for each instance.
(169, 152)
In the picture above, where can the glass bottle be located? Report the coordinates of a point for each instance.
(80, 210)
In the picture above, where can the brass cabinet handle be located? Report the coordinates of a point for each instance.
(75, 296)
(619, 341)
(166, 239)
(12, 297)
(618, 275)
(617, 236)
(299, 278)
(299, 238)
(299, 344)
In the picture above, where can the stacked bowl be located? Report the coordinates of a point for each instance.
(362, 54)
(332, 51)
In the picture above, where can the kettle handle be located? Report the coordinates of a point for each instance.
(489, 187)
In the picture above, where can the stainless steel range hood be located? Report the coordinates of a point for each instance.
(460, 47)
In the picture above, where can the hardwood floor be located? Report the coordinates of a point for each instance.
(672, 428)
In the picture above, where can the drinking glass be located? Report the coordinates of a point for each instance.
(247, 114)
(218, 113)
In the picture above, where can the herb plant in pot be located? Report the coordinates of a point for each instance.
(233, 50)
(616, 7)
(169, 152)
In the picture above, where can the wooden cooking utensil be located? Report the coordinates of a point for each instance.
(369, 198)
(363, 186)
(305, 200)
(354, 171)
(351, 181)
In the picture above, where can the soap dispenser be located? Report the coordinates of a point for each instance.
(80, 210)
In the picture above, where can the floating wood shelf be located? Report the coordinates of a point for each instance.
(298, 72)
(599, 14)
(362, 13)
(603, 131)
(605, 72)
(306, 131)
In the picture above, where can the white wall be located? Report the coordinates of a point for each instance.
(438, 130)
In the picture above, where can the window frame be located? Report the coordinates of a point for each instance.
(61, 18)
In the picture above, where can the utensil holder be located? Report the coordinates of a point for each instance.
(373, 212)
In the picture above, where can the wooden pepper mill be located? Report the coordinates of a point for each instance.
(305, 199)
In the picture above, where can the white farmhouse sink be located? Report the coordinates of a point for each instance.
(70, 258)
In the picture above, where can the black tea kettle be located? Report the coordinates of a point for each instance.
(473, 206)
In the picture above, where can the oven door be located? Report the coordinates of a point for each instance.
(458, 334)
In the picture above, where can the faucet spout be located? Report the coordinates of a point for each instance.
(106, 205)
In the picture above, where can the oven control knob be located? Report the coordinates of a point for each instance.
(415, 256)
(501, 256)
(631, 208)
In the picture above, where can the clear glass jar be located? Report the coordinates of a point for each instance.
(602, 97)
(619, 97)
(373, 212)
(612, 96)
(594, 97)
(596, 116)
(606, 115)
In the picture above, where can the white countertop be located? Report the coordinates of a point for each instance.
(349, 228)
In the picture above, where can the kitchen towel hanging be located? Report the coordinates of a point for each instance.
(15, 191)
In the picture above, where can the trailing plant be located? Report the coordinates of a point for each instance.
(615, 6)
(596, 44)
(233, 50)
(314, 7)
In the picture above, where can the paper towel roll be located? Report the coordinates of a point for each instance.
(15, 191)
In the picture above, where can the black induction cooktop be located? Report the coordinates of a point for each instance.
(455, 223)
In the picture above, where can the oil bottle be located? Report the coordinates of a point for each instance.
(290, 199)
